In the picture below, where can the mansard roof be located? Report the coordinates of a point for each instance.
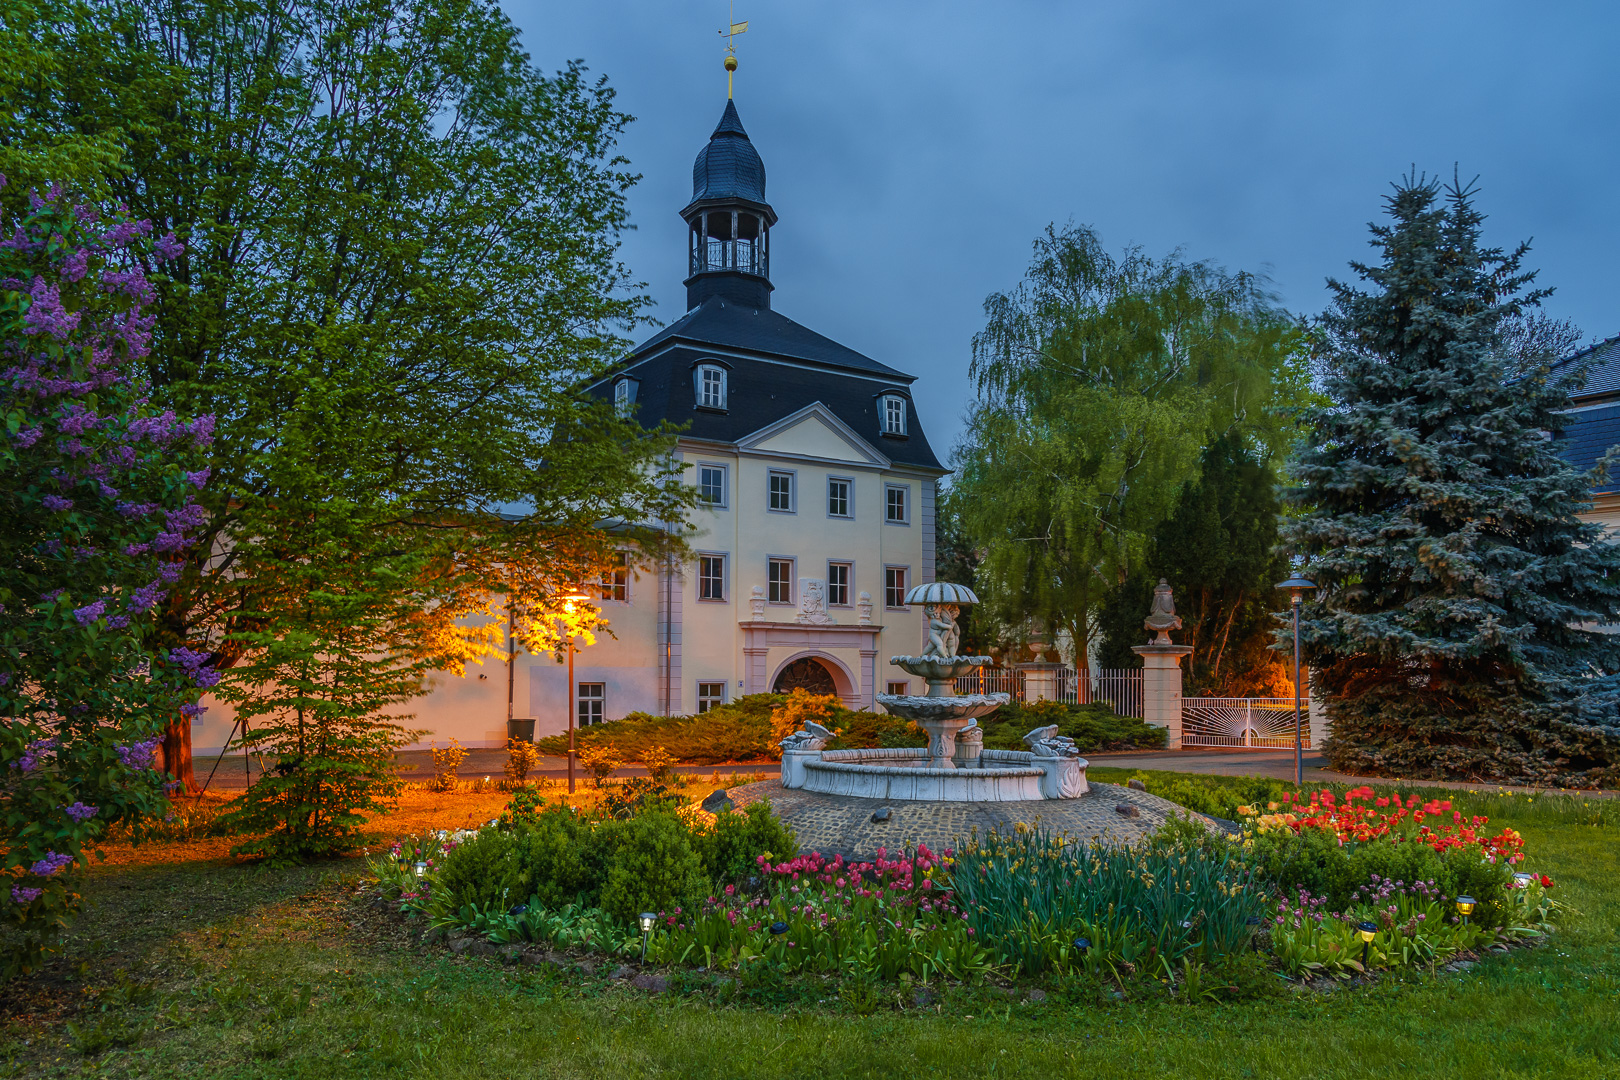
(776, 368)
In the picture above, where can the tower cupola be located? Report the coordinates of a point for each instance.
(728, 220)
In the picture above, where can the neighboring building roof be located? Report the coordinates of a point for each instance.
(1589, 436)
(728, 166)
(1602, 363)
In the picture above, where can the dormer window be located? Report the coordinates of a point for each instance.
(624, 396)
(893, 408)
(711, 386)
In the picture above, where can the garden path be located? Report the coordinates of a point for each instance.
(1279, 764)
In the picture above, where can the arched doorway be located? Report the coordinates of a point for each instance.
(806, 673)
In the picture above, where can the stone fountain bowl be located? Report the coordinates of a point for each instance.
(963, 707)
(939, 668)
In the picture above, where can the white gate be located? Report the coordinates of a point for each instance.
(1244, 723)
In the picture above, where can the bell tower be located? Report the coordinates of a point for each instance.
(728, 220)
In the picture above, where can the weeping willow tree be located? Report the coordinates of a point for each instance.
(1100, 381)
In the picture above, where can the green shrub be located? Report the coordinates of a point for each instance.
(1092, 727)
(739, 837)
(651, 866)
(557, 855)
(736, 731)
(486, 870)
(1217, 796)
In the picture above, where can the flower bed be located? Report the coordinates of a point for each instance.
(1315, 885)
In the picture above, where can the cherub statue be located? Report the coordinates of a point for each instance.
(1163, 618)
(944, 635)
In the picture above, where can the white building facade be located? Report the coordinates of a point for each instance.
(817, 485)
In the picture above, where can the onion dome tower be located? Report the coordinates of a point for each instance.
(728, 220)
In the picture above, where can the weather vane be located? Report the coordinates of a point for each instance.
(731, 45)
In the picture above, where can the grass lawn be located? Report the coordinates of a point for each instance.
(187, 963)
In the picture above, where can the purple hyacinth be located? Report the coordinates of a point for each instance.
(50, 864)
(80, 812)
(21, 895)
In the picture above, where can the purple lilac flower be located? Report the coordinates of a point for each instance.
(21, 895)
(90, 612)
(195, 665)
(146, 598)
(45, 314)
(117, 622)
(80, 812)
(167, 248)
(193, 709)
(28, 436)
(138, 755)
(74, 266)
(50, 864)
(37, 749)
(198, 478)
(56, 502)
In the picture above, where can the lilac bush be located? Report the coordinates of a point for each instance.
(96, 505)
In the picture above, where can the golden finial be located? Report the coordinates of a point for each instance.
(731, 46)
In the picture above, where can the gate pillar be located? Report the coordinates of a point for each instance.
(1161, 687)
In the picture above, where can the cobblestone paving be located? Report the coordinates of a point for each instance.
(840, 824)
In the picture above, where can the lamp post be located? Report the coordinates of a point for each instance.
(1298, 584)
(568, 610)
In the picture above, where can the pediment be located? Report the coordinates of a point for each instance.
(813, 434)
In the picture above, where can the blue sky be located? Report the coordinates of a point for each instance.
(914, 151)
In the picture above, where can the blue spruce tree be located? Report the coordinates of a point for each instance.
(1455, 630)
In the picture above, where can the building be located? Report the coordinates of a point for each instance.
(818, 484)
(1596, 425)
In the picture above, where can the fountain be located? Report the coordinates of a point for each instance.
(955, 765)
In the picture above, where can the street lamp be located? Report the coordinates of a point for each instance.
(1298, 585)
(568, 608)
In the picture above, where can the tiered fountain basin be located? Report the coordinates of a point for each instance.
(905, 773)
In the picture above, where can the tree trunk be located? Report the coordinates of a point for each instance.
(174, 755)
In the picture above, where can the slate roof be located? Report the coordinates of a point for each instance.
(728, 167)
(718, 321)
(1588, 437)
(1602, 363)
(1595, 424)
(759, 393)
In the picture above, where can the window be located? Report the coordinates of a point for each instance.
(894, 586)
(899, 689)
(838, 497)
(711, 386)
(894, 414)
(711, 577)
(781, 489)
(838, 584)
(712, 485)
(895, 504)
(616, 579)
(622, 398)
(711, 695)
(781, 581)
(589, 701)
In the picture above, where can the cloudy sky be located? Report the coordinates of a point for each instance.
(915, 150)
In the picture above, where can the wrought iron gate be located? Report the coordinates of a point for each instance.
(1244, 723)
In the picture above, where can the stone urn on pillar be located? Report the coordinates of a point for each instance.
(1161, 666)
